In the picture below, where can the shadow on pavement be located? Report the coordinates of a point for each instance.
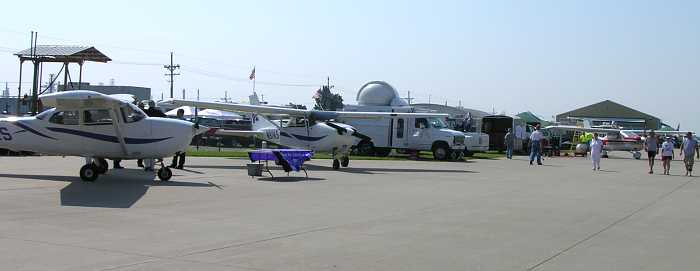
(116, 189)
(349, 169)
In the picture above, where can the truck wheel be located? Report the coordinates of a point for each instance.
(382, 152)
(441, 152)
(345, 161)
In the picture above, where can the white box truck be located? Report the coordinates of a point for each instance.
(409, 131)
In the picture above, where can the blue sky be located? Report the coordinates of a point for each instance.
(543, 56)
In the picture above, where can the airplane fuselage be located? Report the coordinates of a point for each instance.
(146, 138)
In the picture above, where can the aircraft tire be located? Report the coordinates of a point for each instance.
(164, 174)
(89, 173)
(336, 164)
(345, 161)
(103, 166)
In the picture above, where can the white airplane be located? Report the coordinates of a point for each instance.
(98, 127)
(306, 129)
(613, 139)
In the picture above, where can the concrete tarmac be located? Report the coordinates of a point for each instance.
(375, 215)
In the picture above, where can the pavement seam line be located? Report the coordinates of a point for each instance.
(152, 257)
(604, 229)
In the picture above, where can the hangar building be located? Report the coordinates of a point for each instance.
(610, 113)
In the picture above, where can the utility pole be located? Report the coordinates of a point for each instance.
(409, 99)
(183, 94)
(197, 94)
(171, 68)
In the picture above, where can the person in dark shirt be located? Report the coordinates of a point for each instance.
(153, 111)
(181, 154)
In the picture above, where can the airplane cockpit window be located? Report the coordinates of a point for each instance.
(421, 123)
(65, 118)
(130, 113)
(46, 113)
(97, 117)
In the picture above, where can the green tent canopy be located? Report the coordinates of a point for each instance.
(530, 118)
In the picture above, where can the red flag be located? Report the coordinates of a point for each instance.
(252, 74)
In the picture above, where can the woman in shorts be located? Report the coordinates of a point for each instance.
(667, 155)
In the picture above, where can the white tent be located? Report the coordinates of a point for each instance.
(189, 112)
(218, 114)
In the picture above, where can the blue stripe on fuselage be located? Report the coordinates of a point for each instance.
(26, 127)
(301, 137)
(107, 138)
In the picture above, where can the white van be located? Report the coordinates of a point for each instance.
(409, 131)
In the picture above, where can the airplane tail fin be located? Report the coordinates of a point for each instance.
(259, 122)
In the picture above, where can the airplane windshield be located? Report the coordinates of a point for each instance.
(46, 113)
(132, 113)
(437, 123)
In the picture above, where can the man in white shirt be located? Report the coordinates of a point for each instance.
(536, 145)
(596, 147)
(691, 150)
(667, 155)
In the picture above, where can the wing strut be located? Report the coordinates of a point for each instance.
(118, 131)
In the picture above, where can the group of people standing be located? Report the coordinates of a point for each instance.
(148, 164)
(689, 150)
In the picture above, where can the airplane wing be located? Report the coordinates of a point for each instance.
(314, 114)
(378, 115)
(238, 133)
(576, 128)
(79, 99)
(260, 109)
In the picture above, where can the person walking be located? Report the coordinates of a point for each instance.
(651, 146)
(510, 143)
(667, 154)
(181, 154)
(536, 146)
(596, 148)
(689, 150)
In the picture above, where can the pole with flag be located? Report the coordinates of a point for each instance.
(252, 77)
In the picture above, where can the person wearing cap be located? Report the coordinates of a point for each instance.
(667, 154)
(689, 150)
(651, 146)
(510, 143)
(536, 145)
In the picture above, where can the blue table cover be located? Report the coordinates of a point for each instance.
(294, 157)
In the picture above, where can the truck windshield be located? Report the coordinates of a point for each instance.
(437, 123)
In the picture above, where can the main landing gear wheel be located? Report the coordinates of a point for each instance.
(101, 166)
(164, 174)
(89, 173)
(637, 155)
(336, 164)
(345, 161)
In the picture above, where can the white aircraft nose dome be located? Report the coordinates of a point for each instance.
(378, 93)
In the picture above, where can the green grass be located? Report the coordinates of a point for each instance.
(320, 155)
